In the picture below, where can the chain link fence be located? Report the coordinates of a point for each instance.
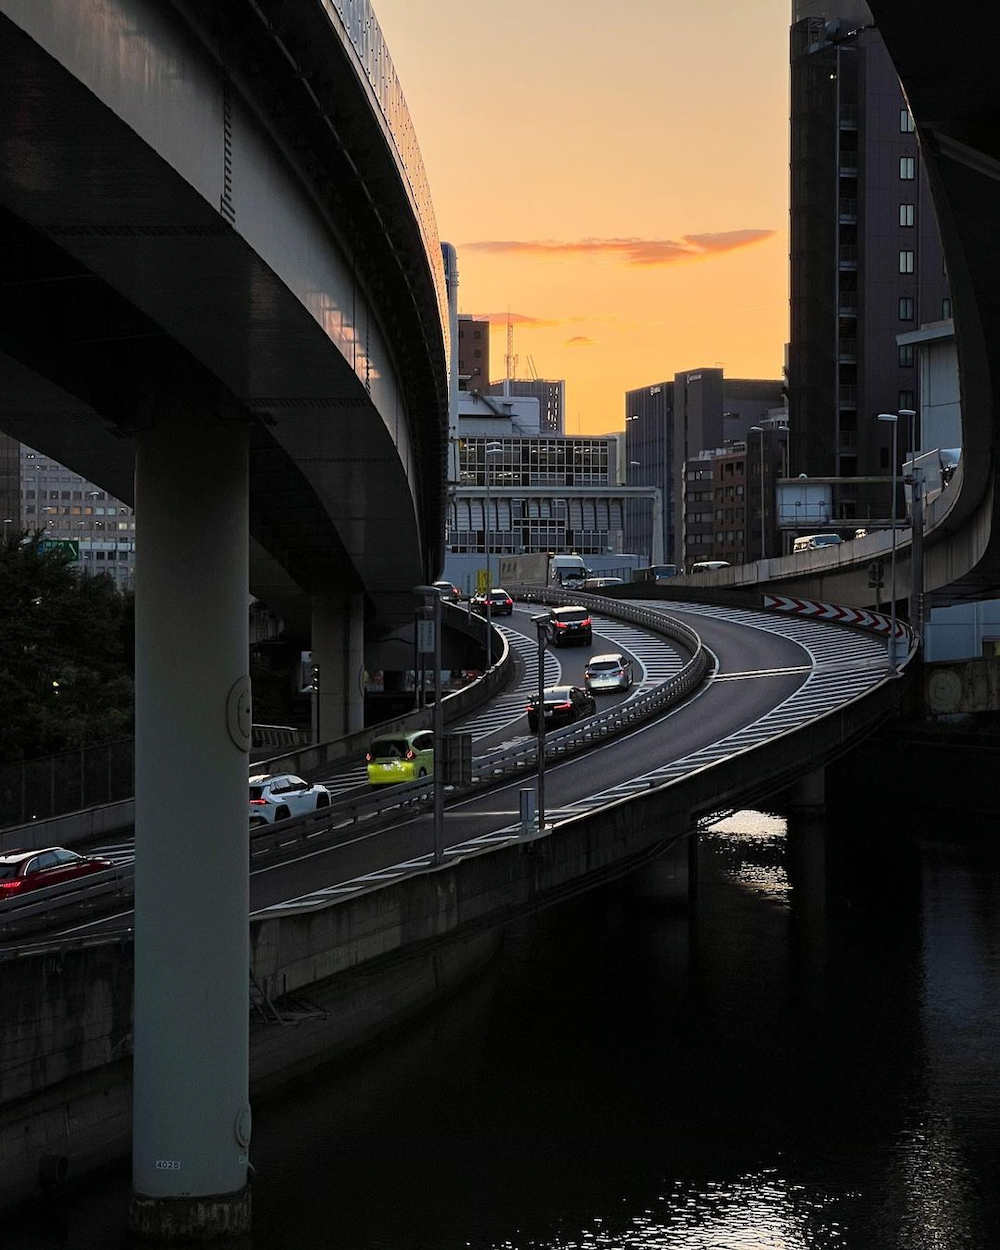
(56, 784)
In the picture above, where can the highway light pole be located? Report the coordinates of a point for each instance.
(891, 417)
(543, 625)
(491, 449)
(915, 482)
(432, 604)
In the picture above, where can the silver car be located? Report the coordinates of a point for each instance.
(608, 672)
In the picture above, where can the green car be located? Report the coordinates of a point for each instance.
(400, 757)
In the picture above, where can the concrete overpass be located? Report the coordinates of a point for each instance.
(945, 58)
(223, 300)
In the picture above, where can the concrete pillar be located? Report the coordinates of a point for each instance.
(670, 878)
(808, 794)
(338, 647)
(191, 1117)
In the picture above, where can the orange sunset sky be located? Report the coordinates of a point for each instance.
(614, 173)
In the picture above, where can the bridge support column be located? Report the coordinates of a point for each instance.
(338, 642)
(670, 878)
(808, 794)
(191, 1117)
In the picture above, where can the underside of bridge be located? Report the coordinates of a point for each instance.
(945, 56)
(220, 301)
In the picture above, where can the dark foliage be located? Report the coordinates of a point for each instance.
(66, 658)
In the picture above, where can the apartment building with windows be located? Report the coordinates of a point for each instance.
(473, 353)
(865, 257)
(72, 510)
(670, 422)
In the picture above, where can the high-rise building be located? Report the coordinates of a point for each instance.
(866, 259)
(71, 510)
(473, 353)
(671, 422)
(10, 485)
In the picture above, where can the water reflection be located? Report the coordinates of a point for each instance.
(806, 1059)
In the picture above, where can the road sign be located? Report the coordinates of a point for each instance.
(69, 547)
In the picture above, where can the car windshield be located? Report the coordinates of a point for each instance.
(8, 872)
(256, 792)
(570, 614)
(603, 666)
(389, 748)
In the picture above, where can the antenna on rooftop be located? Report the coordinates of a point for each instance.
(510, 359)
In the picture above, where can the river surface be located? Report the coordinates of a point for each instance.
(810, 1057)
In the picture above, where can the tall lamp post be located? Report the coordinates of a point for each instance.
(758, 429)
(491, 449)
(432, 604)
(891, 417)
(543, 624)
(915, 481)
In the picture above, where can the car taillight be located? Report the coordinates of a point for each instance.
(368, 757)
(560, 624)
(411, 754)
(258, 802)
(586, 622)
(8, 887)
(561, 707)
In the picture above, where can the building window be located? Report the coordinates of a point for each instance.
(906, 355)
(945, 309)
(906, 168)
(906, 261)
(905, 122)
(906, 214)
(907, 399)
(906, 308)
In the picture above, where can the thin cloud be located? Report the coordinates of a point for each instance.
(579, 340)
(641, 252)
(521, 319)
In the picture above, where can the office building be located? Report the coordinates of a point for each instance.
(670, 422)
(99, 529)
(728, 497)
(473, 353)
(551, 396)
(865, 256)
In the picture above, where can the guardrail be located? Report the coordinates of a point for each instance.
(330, 825)
(317, 758)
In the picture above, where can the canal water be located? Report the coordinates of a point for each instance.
(808, 1058)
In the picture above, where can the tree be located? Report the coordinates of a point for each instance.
(66, 660)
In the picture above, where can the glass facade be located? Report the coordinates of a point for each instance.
(541, 494)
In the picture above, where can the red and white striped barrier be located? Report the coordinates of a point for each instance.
(877, 621)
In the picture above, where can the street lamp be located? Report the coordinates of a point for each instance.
(915, 481)
(543, 623)
(490, 449)
(432, 602)
(894, 420)
(758, 429)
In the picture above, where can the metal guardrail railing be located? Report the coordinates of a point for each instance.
(59, 905)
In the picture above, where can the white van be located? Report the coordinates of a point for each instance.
(811, 542)
(709, 566)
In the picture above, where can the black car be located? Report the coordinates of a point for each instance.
(563, 705)
(570, 625)
(501, 604)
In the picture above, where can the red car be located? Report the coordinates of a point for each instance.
(31, 870)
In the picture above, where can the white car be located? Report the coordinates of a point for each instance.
(282, 795)
(608, 672)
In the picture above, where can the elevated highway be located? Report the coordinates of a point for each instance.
(222, 298)
(354, 912)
